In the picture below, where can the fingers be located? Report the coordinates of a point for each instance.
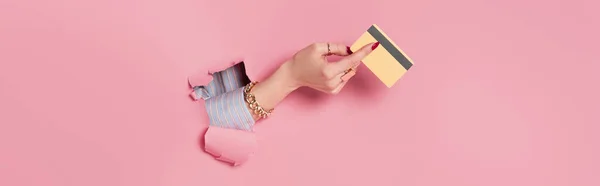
(331, 48)
(339, 49)
(335, 85)
(344, 79)
(354, 59)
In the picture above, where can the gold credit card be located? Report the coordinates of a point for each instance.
(387, 61)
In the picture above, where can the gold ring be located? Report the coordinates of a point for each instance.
(347, 71)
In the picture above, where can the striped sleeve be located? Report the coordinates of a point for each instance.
(223, 81)
(229, 110)
(214, 88)
(224, 99)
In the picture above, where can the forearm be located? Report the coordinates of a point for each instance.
(271, 91)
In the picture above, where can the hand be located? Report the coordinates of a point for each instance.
(309, 66)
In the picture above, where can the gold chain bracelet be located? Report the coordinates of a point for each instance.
(253, 104)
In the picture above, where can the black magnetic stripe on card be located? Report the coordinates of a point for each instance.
(383, 41)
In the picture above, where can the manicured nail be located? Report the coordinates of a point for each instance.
(348, 50)
(375, 46)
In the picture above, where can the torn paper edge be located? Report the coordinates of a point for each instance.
(230, 145)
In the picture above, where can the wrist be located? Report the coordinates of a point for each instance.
(271, 91)
(285, 75)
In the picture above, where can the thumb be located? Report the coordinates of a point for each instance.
(353, 59)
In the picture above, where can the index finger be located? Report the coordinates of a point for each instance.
(332, 48)
(354, 59)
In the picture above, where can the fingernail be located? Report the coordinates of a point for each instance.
(375, 46)
(348, 50)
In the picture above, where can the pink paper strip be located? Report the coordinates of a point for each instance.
(230, 145)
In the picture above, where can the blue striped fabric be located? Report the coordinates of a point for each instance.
(224, 97)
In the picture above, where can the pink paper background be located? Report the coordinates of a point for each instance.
(503, 93)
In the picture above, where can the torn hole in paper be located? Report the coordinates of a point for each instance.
(223, 81)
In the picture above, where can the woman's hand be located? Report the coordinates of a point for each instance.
(309, 67)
